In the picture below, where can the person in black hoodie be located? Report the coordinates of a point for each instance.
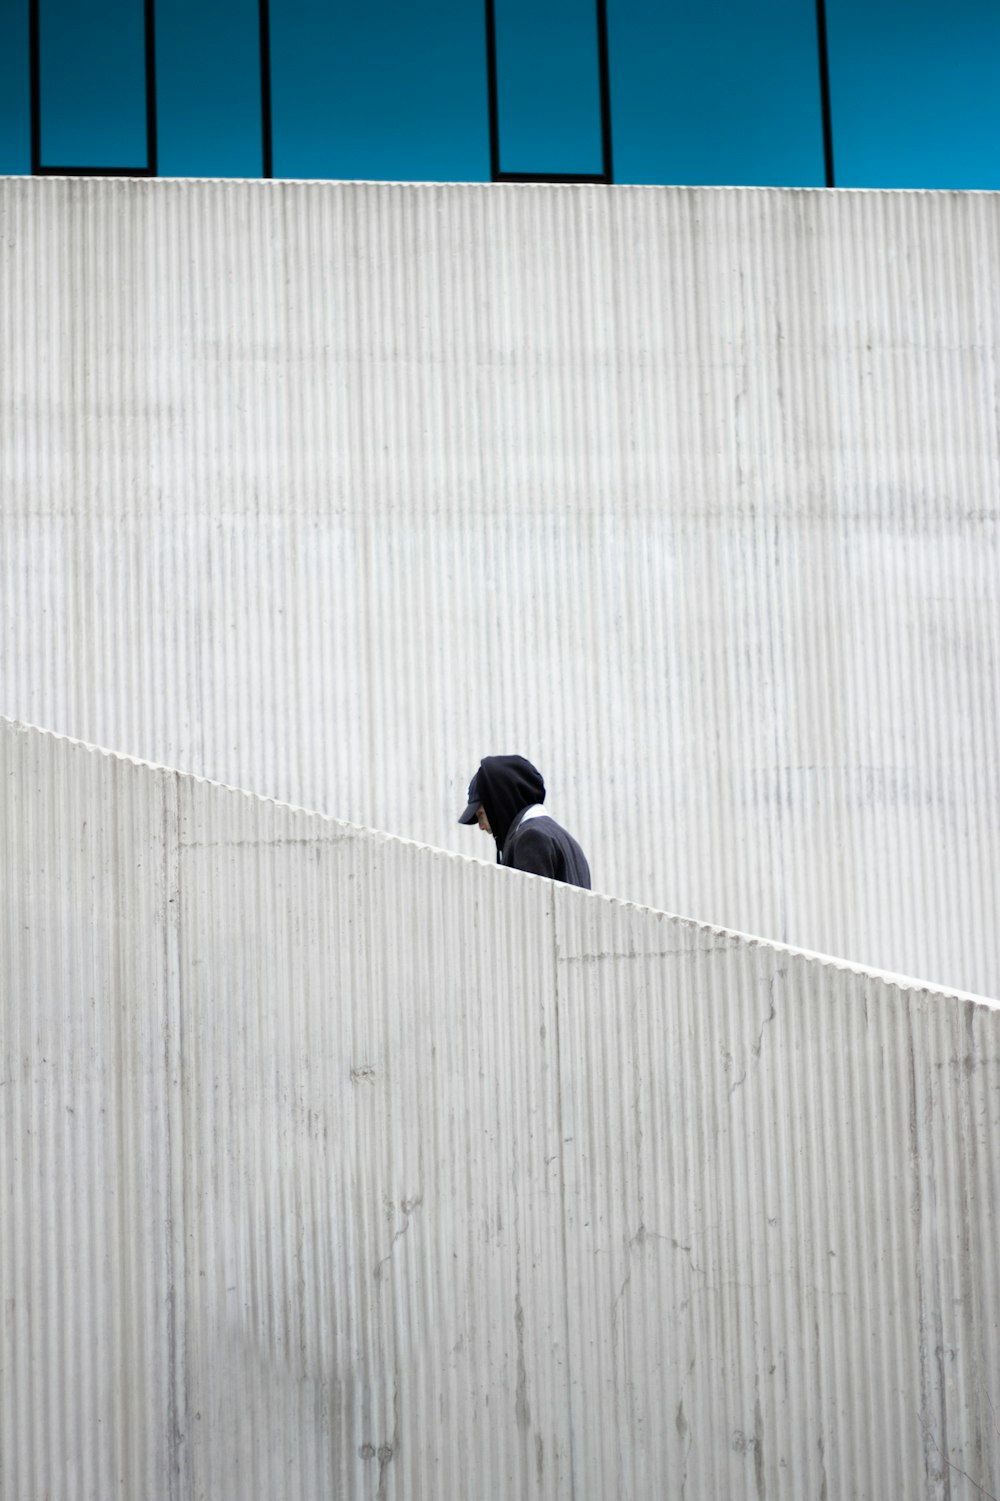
(505, 799)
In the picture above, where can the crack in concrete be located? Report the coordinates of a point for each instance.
(264, 843)
(755, 1050)
(756, 1047)
(684, 1429)
(601, 956)
(407, 1206)
(990, 1496)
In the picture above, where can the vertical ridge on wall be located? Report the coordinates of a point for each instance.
(689, 495)
(376, 1300)
(85, 1188)
(751, 1163)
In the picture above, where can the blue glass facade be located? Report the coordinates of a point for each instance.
(208, 95)
(92, 84)
(915, 88)
(654, 91)
(15, 90)
(548, 87)
(716, 93)
(390, 89)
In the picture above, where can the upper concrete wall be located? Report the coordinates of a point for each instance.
(691, 496)
(334, 1166)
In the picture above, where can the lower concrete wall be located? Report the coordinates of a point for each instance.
(333, 1165)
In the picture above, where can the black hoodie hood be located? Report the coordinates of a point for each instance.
(506, 785)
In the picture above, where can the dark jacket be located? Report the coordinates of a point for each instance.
(511, 790)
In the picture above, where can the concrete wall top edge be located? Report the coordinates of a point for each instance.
(12, 728)
(272, 184)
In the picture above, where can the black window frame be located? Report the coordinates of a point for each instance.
(606, 175)
(40, 169)
(823, 52)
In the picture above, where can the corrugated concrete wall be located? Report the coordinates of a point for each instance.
(333, 1165)
(327, 490)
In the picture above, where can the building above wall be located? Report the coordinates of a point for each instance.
(795, 93)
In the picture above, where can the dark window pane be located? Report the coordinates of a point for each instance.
(15, 101)
(388, 89)
(208, 88)
(93, 83)
(716, 92)
(548, 86)
(915, 93)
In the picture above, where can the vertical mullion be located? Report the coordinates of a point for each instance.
(36, 87)
(604, 72)
(267, 142)
(491, 82)
(150, 40)
(824, 91)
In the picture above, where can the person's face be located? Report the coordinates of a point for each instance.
(483, 821)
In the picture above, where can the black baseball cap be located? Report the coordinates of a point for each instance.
(475, 802)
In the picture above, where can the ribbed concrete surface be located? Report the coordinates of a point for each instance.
(690, 495)
(333, 1165)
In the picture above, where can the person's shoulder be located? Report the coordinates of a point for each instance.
(541, 826)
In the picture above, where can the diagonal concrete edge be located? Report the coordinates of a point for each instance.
(904, 982)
